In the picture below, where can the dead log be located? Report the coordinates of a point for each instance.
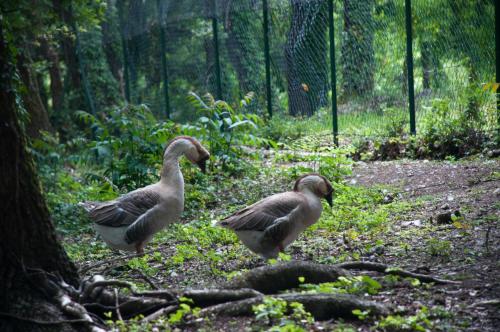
(271, 279)
(321, 306)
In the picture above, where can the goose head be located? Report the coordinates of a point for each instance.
(317, 184)
(191, 148)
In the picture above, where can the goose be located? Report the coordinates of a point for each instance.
(130, 221)
(270, 225)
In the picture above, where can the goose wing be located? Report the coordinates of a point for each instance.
(265, 213)
(125, 210)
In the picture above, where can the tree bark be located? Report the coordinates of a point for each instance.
(358, 56)
(38, 117)
(73, 81)
(305, 55)
(111, 40)
(244, 50)
(28, 243)
(425, 50)
(56, 84)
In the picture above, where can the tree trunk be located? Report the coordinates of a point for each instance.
(111, 41)
(357, 54)
(39, 119)
(28, 243)
(244, 50)
(56, 85)
(425, 50)
(305, 55)
(72, 82)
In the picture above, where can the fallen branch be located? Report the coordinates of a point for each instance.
(321, 306)
(163, 311)
(383, 268)
(494, 302)
(271, 279)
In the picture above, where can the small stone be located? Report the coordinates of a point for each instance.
(450, 198)
(496, 192)
(494, 153)
(389, 198)
(444, 218)
(377, 250)
(416, 222)
(445, 207)
(173, 274)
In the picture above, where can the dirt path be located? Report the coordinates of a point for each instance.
(473, 188)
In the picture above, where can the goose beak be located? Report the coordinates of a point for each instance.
(329, 199)
(202, 164)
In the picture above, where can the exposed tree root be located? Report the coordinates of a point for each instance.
(321, 306)
(99, 300)
(43, 322)
(208, 297)
(271, 279)
(382, 268)
(96, 296)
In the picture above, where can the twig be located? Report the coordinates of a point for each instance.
(45, 322)
(147, 279)
(84, 270)
(494, 302)
(163, 311)
(486, 242)
(117, 305)
(383, 268)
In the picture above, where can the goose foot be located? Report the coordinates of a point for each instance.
(139, 247)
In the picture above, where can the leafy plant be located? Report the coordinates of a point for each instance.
(284, 315)
(438, 247)
(184, 312)
(127, 144)
(225, 128)
(418, 322)
(349, 285)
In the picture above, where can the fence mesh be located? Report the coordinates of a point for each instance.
(453, 54)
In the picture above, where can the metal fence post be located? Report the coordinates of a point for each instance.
(216, 49)
(265, 15)
(163, 58)
(124, 51)
(409, 63)
(333, 74)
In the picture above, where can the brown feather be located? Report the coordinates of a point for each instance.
(262, 214)
(125, 210)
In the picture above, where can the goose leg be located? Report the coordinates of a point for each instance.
(139, 247)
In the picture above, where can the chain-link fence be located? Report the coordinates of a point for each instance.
(159, 50)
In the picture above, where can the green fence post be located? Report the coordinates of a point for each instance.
(216, 49)
(124, 51)
(333, 74)
(163, 58)
(265, 15)
(409, 63)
